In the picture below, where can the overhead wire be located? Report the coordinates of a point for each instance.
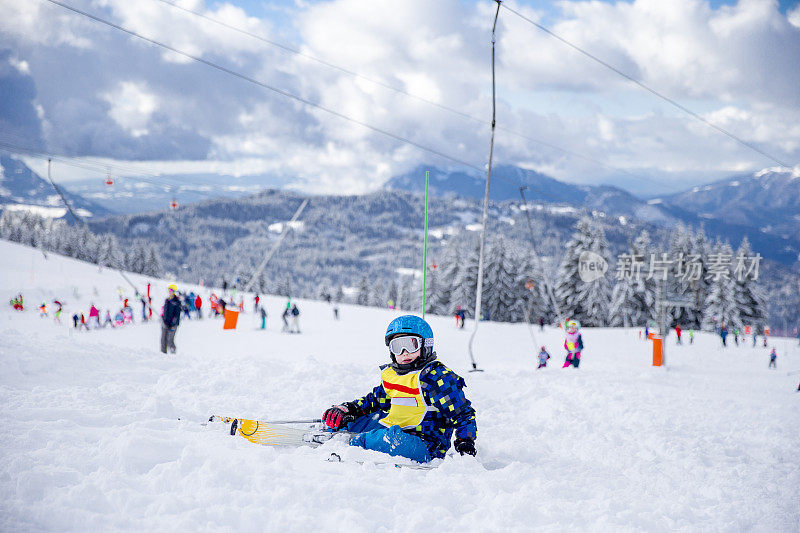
(293, 50)
(644, 86)
(276, 90)
(173, 187)
(100, 168)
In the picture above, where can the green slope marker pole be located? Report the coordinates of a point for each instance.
(425, 246)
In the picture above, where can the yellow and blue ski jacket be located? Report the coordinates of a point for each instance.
(428, 403)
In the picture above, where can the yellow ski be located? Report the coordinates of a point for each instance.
(279, 434)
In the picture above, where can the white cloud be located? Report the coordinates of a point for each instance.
(190, 33)
(793, 15)
(37, 23)
(21, 66)
(131, 106)
(735, 65)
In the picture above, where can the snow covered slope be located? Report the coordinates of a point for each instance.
(91, 440)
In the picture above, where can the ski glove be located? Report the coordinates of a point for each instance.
(465, 447)
(341, 415)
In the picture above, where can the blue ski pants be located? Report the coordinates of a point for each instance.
(372, 435)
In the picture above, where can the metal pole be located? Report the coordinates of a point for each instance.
(485, 207)
(269, 255)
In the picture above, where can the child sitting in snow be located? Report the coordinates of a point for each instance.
(573, 344)
(418, 405)
(543, 357)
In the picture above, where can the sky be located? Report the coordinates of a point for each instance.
(382, 86)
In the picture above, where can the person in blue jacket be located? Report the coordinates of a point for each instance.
(417, 407)
(170, 320)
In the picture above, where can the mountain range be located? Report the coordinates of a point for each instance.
(764, 206)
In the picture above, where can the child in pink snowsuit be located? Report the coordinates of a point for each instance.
(573, 344)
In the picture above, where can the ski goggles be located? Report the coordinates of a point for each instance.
(408, 343)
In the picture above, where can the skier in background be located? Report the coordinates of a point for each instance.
(295, 319)
(108, 321)
(170, 320)
(263, 316)
(335, 311)
(395, 418)
(59, 309)
(691, 336)
(723, 333)
(185, 306)
(94, 318)
(198, 303)
(543, 357)
(772, 357)
(256, 299)
(43, 310)
(573, 344)
(678, 332)
(461, 315)
(285, 318)
(541, 323)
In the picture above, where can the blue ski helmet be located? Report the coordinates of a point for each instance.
(410, 325)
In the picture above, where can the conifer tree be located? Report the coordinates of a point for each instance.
(720, 307)
(633, 297)
(152, 265)
(499, 294)
(595, 295)
(392, 294)
(532, 298)
(432, 292)
(363, 291)
(748, 293)
(466, 285)
(579, 299)
(699, 287)
(377, 295)
(448, 278)
(678, 284)
(338, 296)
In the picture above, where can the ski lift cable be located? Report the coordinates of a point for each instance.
(278, 91)
(63, 198)
(80, 163)
(88, 163)
(646, 87)
(83, 222)
(83, 163)
(479, 288)
(294, 50)
(269, 255)
(254, 81)
(538, 260)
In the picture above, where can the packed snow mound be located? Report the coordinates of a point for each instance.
(92, 440)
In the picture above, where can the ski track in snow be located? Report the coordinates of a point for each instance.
(91, 439)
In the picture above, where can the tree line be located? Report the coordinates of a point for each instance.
(79, 242)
